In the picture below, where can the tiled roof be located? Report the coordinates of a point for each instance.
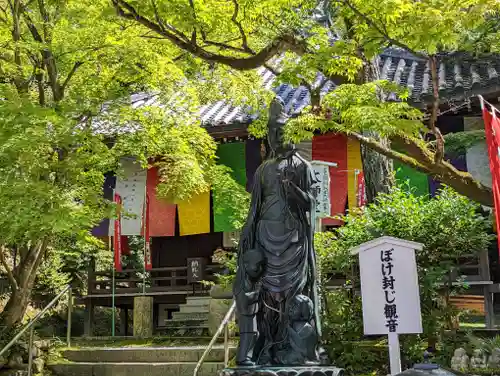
(460, 77)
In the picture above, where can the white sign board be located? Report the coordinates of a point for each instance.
(321, 189)
(389, 291)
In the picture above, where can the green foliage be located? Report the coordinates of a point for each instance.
(67, 70)
(458, 143)
(229, 260)
(426, 27)
(403, 215)
(358, 108)
(234, 199)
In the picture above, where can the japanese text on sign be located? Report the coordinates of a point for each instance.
(321, 190)
(388, 280)
(389, 286)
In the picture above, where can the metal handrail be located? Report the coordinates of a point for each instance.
(223, 326)
(40, 314)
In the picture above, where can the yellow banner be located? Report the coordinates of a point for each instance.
(353, 163)
(194, 215)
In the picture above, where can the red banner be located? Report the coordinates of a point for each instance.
(333, 148)
(148, 263)
(161, 213)
(361, 190)
(492, 128)
(117, 238)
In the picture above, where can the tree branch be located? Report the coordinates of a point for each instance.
(48, 59)
(278, 45)
(8, 270)
(70, 75)
(462, 182)
(15, 8)
(434, 111)
(381, 30)
(244, 40)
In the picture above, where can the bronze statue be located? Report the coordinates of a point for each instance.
(276, 282)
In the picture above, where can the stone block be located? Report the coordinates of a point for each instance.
(143, 316)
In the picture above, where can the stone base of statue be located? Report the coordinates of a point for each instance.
(283, 371)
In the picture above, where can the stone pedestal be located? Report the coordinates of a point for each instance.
(143, 316)
(283, 371)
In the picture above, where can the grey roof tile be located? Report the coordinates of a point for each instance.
(459, 77)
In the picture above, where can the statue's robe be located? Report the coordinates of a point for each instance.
(280, 224)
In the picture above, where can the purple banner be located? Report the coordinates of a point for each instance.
(109, 184)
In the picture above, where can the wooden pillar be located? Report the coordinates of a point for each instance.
(89, 318)
(143, 316)
(484, 269)
(123, 321)
(89, 304)
(126, 320)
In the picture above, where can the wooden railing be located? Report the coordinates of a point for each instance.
(157, 280)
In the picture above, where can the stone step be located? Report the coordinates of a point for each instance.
(186, 316)
(193, 309)
(198, 300)
(134, 369)
(186, 332)
(185, 323)
(145, 354)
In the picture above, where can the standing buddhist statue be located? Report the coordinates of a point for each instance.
(276, 282)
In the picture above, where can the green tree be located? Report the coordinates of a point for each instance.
(67, 69)
(404, 215)
(243, 35)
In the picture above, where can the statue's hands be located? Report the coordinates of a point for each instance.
(302, 197)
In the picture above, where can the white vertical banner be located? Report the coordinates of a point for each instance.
(321, 189)
(131, 186)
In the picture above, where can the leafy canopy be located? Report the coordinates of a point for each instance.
(285, 37)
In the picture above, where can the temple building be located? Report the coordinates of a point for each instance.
(185, 236)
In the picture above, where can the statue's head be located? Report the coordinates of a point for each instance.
(254, 263)
(276, 123)
(301, 309)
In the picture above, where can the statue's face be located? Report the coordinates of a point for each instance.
(277, 118)
(276, 136)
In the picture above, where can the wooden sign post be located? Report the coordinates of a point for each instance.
(389, 291)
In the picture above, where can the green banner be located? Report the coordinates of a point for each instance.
(418, 181)
(231, 155)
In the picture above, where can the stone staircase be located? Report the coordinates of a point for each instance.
(190, 321)
(139, 361)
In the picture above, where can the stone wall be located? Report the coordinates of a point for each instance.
(16, 360)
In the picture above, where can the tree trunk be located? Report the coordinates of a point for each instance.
(22, 280)
(15, 309)
(377, 168)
